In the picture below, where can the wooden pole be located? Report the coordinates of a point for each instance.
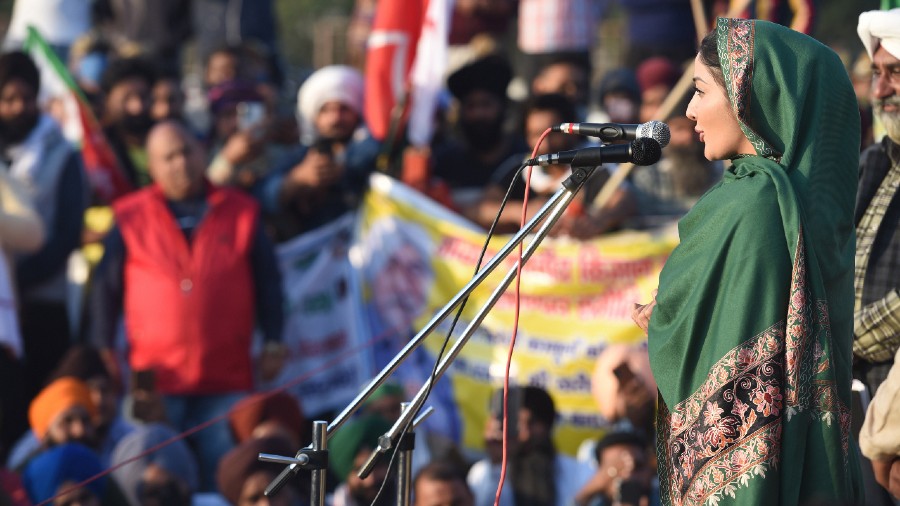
(665, 110)
(683, 86)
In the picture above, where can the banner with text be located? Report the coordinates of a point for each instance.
(318, 331)
(411, 256)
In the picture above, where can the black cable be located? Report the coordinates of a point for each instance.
(462, 305)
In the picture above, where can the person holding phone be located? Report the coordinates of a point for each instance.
(623, 476)
(239, 137)
(623, 387)
(325, 176)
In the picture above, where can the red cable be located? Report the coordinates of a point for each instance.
(515, 330)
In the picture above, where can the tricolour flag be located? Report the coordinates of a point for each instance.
(79, 124)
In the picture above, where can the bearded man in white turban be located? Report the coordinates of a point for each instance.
(327, 174)
(329, 104)
(877, 317)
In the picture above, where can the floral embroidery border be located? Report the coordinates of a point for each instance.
(729, 430)
(725, 433)
(734, 41)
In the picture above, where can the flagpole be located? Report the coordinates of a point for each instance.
(383, 162)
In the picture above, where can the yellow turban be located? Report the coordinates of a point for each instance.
(55, 398)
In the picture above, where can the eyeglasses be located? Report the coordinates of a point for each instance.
(891, 73)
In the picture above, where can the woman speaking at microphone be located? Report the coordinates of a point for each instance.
(750, 331)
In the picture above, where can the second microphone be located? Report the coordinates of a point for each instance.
(641, 151)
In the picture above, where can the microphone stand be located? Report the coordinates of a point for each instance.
(311, 457)
(405, 457)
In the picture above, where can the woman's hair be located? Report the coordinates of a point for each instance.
(709, 56)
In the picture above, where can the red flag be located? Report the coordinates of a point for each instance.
(100, 163)
(390, 52)
(106, 178)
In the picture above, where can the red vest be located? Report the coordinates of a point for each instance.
(189, 308)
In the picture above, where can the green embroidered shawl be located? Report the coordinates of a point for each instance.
(750, 339)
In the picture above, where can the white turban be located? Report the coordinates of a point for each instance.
(335, 83)
(880, 28)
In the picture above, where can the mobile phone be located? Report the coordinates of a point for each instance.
(143, 391)
(631, 492)
(623, 373)
(250, 114)
(324, 146)
(144, 380)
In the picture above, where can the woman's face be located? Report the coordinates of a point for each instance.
(717, 124)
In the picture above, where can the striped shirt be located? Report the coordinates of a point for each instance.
(547, 26)
(877, 276)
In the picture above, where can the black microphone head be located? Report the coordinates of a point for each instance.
(656, 130)
(645, 151)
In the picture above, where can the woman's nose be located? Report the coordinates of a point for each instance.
(690, 111)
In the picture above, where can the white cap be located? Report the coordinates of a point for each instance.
(880, 28)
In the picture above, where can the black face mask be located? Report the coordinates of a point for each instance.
(482, 135)
(16, 130)
(162, 494)
(136, 125)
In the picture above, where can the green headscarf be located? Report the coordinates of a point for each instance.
(750, 339)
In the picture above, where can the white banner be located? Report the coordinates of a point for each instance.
(317, 329)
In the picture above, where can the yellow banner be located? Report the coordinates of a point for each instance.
(413, 256)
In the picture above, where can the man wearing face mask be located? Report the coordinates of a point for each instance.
(35, 152)
(618, 98)
(126, 85)
(467, 163)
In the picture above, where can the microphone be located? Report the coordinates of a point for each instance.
(656, 130)
(641, 151)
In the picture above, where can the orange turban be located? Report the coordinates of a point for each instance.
(55, 398)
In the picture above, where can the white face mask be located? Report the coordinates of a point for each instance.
(620, 109)
(541, 182)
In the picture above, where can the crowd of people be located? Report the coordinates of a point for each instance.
(178, 228)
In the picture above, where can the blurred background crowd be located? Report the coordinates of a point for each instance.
(250, 118)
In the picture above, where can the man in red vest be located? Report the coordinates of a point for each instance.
(191, 270)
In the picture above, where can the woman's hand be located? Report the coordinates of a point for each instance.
(641, 313)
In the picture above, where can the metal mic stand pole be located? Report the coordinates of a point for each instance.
(314, 457)
(549, 213)
(404, 464)
(319, 443)
(560, 201)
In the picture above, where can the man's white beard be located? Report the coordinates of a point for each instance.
(890, 120)
(891, 124)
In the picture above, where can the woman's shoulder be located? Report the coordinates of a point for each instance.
(741, 205)
(752, 188)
